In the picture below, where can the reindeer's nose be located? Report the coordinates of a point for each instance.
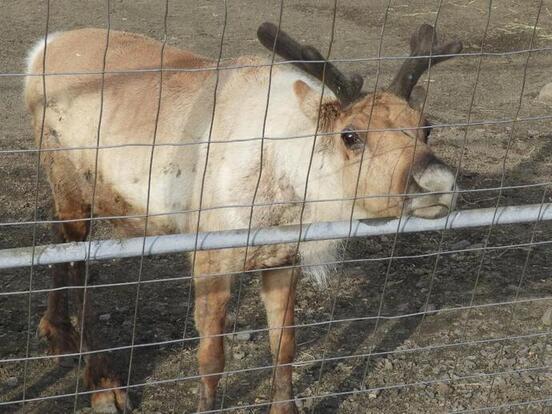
(434, 176)
(435, 189)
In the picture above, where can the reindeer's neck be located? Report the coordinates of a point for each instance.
(309, 164)
(287, 149)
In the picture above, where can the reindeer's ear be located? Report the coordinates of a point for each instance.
(308, 100)
(326, 111)
(417, 97)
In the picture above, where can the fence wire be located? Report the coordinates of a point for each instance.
(371, 339)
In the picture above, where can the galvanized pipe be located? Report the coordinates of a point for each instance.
(154, 245)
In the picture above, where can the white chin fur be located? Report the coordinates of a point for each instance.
(319, 274)
(315, 253)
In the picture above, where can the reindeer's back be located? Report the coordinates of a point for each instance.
(122, 112)
(76, 60)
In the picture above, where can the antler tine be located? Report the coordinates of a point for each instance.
(311, 61)
(423, 42)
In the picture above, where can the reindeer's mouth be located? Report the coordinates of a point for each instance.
(431, 212)
(431, 205)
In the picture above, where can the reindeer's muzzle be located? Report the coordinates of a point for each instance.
(432, 191)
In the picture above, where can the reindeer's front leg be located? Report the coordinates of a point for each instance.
(279, 298)
(212, 294)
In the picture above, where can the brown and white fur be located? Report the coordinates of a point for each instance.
(124, 183)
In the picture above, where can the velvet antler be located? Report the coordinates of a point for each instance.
(346, 89)
(423, 42)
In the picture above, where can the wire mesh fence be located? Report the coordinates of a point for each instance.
(438, 302)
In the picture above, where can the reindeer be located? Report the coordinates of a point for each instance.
(136, 141)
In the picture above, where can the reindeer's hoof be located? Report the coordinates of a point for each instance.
(287, 407)
(104, 405)
(110, 401)
(61, 338)
(206, 397)
(68, 362)
(44, 330)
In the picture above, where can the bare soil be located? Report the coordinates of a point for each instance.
(450, 359)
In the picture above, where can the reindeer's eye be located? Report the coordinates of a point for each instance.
(351, 139)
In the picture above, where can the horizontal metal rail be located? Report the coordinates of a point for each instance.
(177, 243)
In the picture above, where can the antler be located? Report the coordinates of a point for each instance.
(309, 59)
(422, 43)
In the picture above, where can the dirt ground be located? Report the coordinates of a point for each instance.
(452, 359)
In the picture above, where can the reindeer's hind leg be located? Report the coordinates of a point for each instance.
(72, 209)
(55, 326)
(98, 373)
